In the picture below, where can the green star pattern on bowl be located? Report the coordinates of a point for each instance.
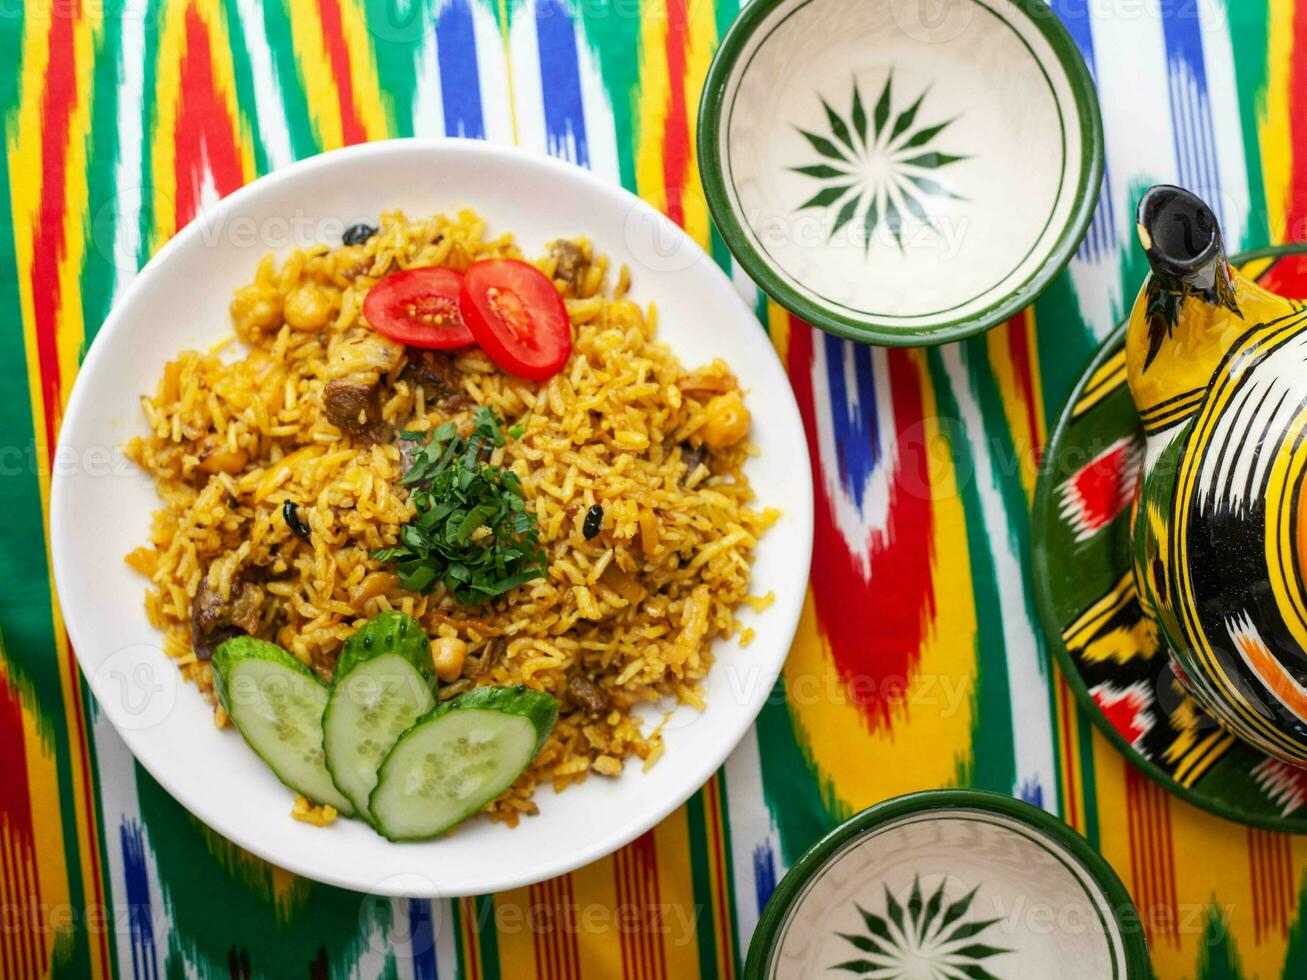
(924, 939)
(877, 169)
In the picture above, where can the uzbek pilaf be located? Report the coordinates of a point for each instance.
(279, 469)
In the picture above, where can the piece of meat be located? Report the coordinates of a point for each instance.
(588, 695)
(572, 265)
(213, 620)
(354, 408)
(433, 372)
(491, 655)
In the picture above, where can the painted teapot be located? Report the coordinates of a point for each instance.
(1217, 367)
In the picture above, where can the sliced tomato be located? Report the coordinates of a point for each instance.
(517, 316)
(419, 307)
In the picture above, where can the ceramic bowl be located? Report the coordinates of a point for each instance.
(901, 172)
(101, 510)
(957, 883)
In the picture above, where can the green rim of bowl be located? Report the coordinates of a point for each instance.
(1122, 907)
(760, 270)
(1040, 512)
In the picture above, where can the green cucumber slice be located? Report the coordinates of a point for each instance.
(458, 758)
(276, 703)
(383, 683)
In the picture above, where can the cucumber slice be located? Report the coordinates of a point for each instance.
(276, 703)
(383, 683)
(458, 758)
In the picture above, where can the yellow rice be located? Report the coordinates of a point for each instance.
(636, 608)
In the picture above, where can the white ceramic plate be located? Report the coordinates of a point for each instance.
(101, 506)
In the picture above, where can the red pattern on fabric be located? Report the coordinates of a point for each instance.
(880, 645)
(676, 128)
(333, 39)
(21, 951)
(206, 132)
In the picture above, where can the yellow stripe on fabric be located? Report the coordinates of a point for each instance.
(1072, 769)
(673, 902)
(48, 853)
(600, 951)
(1108, 771)
(369, 100)
(27, 179)
(1019, 406)
(72, 333)
(1257, 268)
(163, 142)
(224, 81)
(702, 43)
(926, 747)
(517, 943)
(778, 326)
(1275, 125)
(1222, 877)
(721, 911)
(651, 110)
(320, 90)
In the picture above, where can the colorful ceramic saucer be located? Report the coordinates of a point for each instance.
(1107, 650)
(900, 172)
(950, 883)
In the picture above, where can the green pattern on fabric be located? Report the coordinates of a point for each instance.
(400, 31)
(304, 137)
(701, 882)
(26, 620)
(146, 245)
(221, 901)
(614, 41)
(992, 758)
(1217, 957)
(249, 124)
(1248, 22)
(803, 805)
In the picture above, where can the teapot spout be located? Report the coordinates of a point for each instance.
(1182, 240)
(1179, 234)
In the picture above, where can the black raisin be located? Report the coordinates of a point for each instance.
(358, 234)
(594, 520)
(294, 521)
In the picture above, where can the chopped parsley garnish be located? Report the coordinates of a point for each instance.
(472, 531)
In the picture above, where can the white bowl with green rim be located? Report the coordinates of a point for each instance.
(901, 172)
(950, 883)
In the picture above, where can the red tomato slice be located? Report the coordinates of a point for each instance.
(419, 307)
(517, 316)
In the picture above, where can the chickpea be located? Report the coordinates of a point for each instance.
(728, 421)
(448, 654)
(255, 309)
(349, 260)
(308, 308)
(217, 457)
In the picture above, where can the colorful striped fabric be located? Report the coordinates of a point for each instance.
(919, 661)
